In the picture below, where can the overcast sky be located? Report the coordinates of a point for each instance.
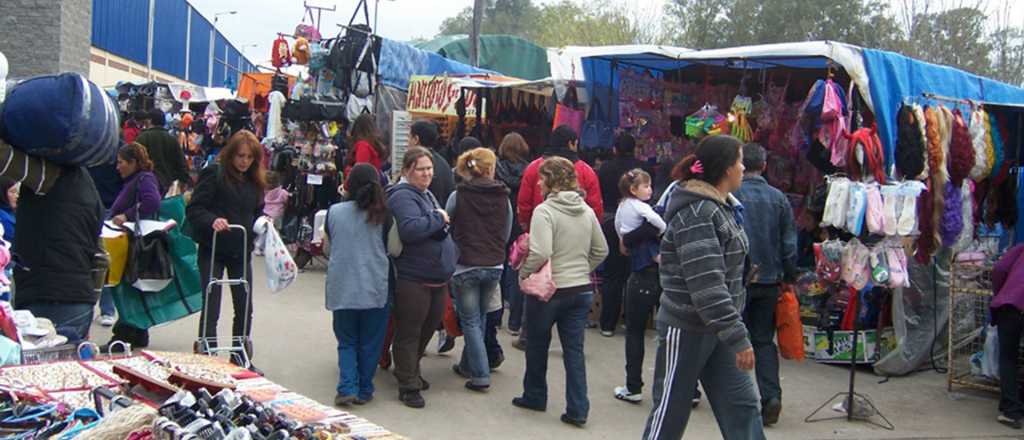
(253, 28)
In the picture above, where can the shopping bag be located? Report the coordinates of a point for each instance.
(117, 247)
(597, 131)
(540, 283)
(787, 321)
(281, 268)
(182, 297)
(451, 319)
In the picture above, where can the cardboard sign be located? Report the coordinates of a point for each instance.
(437, 95)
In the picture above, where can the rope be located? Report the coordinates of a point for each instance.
(121, 423)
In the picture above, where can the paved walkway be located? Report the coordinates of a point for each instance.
(295, 346)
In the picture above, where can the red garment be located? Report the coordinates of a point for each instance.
(130, 133)
(851, 310)
(365, 153)
(530, 196)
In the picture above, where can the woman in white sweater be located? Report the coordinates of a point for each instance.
(564, 231)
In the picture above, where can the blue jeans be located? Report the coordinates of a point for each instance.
(510, 292)
(360, 335)
(107, 302)
(471, 291)
(683, 358)
(70, 319)
(569, 312)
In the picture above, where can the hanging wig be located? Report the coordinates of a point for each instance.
(952, 221)
(926, 225)
(919, 116)
(982, 160)
(999, 152)
(936, 155)
(910, 154)
(961, 151)
(990, 146)
(967, 234)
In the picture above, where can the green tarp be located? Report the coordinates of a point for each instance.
(512, 56)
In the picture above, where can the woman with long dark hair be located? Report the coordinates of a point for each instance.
(228, 193)
(366, 144)
(702, 268)
(357, 281)
(513, 157)
(139, 199)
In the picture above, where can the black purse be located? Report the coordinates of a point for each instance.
(148, 267)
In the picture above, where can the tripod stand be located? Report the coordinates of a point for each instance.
(851, 397)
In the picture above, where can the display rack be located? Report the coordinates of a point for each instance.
(970, 293)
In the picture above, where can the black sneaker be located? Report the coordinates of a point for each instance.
(497, 362)
(477, 388)
(574, 422)
(412, 399)
(458, 370)
(1009, 421)
(519, 344)
(770, 412)
(362, 401)
(449, 344)
(522, 403)
(425, 385)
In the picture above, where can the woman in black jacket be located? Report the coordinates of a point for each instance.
(229, 193)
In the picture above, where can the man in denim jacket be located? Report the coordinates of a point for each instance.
(772, 233)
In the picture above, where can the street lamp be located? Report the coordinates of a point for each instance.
(217, 16)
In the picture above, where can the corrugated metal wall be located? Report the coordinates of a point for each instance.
(199, 50)
(170, 36)
(220, 46)
(121, 27)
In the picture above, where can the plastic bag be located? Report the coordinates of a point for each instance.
(990, 358)
(787, 321)
(281, 268)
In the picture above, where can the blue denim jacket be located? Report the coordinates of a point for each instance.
(770, 228)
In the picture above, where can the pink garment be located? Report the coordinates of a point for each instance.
(274, 201)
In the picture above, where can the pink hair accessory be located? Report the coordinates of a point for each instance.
(697, 167)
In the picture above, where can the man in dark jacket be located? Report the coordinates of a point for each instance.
(57, 242)
(616, 268)
(167, 156)
(425, 134)
(769, 225)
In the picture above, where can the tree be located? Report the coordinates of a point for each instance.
(598, 23)
(954, 37)
(508, 17)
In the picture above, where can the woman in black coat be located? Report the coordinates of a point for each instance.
(229, 193)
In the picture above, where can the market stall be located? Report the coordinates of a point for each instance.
(894, 168)
(164, 395)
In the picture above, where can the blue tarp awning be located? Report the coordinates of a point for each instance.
(399, 61)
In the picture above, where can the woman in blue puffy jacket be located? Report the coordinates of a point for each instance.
(423, 270)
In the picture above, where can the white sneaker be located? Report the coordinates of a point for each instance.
(107, 320)
(622, 393)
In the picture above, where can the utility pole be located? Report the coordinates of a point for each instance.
(474, 34)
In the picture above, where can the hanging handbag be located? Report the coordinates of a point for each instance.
(568, 116)
(597, 131)
(540, 283)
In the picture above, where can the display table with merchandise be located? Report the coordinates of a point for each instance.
(164, 395)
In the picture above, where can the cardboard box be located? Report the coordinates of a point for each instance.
(809, 341)
(838, 349)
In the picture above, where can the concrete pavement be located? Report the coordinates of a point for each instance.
(295, 347)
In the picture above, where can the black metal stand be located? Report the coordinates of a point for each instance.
(849, 396)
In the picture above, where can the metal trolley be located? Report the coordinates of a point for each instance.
(238, 345)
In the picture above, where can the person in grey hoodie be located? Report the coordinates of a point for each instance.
(423, 270)
(701, 335)
(564, 232)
